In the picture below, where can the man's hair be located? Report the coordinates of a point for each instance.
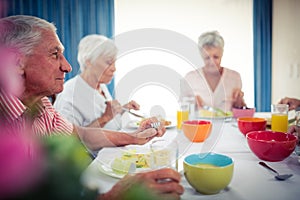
(23, 33)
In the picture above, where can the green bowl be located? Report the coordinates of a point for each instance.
(208, 173)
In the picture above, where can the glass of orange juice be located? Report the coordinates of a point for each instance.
(279, 119)
(182, 114)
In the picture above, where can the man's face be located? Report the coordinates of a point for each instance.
(45, 68)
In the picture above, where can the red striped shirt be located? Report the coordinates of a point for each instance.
(46, 121)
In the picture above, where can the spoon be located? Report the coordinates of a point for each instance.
(132, 168)
(279, 177)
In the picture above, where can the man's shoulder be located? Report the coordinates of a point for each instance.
(11, 106)
(46, 101)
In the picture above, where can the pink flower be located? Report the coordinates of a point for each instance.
(21, 163)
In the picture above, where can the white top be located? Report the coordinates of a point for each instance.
(81, 104)
(195, 83)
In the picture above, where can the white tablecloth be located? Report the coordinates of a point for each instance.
(250, 180)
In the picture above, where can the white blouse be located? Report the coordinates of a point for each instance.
(81, 104)
(194, 83)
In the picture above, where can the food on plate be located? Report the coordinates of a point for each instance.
(122, 164)
(163, 121)
(217, 113)
(166, 122)
(142, 161)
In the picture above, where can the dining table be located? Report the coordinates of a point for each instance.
(249, 181)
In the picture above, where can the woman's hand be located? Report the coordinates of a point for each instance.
(238, 98)
(112, 109)
(132, 105)
(199, 101)
(147, 183)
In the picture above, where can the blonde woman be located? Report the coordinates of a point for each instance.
(213, 84)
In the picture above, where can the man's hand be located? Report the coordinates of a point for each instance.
(295, 130)
(151, 183)
(146, 124)
(292, 102)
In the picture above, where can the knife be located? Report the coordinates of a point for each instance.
(134, 114)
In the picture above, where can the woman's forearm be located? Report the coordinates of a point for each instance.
(99, 122)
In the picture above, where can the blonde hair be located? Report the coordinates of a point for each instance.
(212, 38)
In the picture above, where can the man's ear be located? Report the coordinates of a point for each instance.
(20, 65)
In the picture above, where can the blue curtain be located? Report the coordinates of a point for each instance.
(262, 37)
(73, 18)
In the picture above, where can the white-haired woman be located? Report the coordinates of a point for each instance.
(86, 100)
(212, 84)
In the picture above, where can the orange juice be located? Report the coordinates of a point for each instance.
(181, 116)
(279, 122)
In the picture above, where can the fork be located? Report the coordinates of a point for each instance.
(132, 168)
(155, 125)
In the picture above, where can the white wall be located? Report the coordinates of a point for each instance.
(286, 49)
(232, 18)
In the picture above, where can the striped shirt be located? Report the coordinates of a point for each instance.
(43, 120)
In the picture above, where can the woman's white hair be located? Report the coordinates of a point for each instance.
(211, 39)
(92, 46)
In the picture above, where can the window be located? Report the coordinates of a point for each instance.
(232, 18)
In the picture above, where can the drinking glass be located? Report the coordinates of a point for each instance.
(182, 114)
(297, 149)
(279, 119)
(164, 154)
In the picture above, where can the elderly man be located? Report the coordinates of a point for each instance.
(42, 66)
(38, 55)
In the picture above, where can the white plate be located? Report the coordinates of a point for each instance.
(268, 115)
(216, 117)
(225, 118)
(108, 171)
(134, 124)
(107, 155)
(265, 115)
